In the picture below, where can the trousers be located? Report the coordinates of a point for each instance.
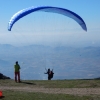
(17, 76)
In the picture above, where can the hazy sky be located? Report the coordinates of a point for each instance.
(50, 28)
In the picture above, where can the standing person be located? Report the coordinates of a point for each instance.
(49, 74)
(17, 71)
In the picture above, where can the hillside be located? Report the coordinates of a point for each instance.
(3, 76)
(67, 62)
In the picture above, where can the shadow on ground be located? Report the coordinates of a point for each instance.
(2, 97)
(29, 83)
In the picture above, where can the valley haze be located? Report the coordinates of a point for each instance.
(67, 62)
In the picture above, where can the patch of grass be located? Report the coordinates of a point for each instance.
(15, 95)
(18, 95)
(53, 83)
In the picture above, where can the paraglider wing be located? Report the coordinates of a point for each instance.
(58, 10)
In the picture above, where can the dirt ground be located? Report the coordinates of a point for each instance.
(72, 91)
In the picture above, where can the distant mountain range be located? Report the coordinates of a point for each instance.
(67, 62)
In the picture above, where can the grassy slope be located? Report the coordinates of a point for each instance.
(53, 83)
(17, 95)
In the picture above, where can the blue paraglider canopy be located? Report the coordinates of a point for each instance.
(58, 10)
